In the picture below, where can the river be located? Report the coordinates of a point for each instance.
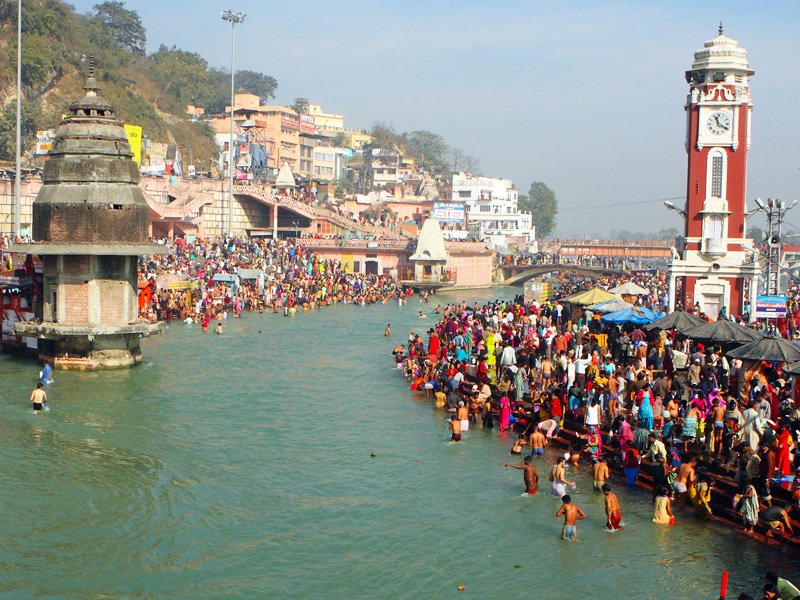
(240, 466)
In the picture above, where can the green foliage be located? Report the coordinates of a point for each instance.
(183, 76)
(343, 188)
(426, 147)
(542, 203)
(124, 25)
(40, 60)
(31, 114)
(256, 83)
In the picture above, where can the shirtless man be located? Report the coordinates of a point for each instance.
(530, 475)
(463, 415)
(455, 428)
(612, 509)
(538, 441)
(600, 473)
(718, 416)
(558, 476)
(572, 513)
(38, 397)
(685, 478)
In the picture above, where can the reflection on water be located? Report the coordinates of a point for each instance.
(241, 466)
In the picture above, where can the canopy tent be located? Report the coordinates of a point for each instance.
(610, 306)
(680, 320)
(638, 315)
(771, 349)
(629, 289)
(724, 332)
(589, 297)
(792, 368)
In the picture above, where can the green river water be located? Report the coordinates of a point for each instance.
(239, 466)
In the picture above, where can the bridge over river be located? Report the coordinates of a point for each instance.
(519, 274)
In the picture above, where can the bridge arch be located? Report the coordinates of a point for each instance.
(513, 276)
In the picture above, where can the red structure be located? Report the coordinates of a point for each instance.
(715, 266)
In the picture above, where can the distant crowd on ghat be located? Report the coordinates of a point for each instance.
(295, 278)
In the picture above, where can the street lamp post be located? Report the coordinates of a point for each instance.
(233, 18)
(18, 175)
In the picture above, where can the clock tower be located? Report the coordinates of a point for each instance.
(714, 265)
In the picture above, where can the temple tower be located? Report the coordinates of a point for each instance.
(90, 224)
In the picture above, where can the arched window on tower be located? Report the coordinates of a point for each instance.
(716, 168)
(715, 225)
(716, 176)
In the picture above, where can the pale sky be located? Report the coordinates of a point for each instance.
(585, 96)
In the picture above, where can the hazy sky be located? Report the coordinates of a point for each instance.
(585, 96)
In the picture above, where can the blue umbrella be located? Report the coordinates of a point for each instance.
(638, 315)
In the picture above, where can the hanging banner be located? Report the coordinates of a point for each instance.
(134, 133)
(770, 307)
(44, 141)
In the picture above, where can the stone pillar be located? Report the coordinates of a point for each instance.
(671, 306)
(275, 220)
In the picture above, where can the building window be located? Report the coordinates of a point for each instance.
(714, 226)
(716, 176)
(464, 194)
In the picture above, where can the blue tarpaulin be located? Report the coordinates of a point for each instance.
(638, 315)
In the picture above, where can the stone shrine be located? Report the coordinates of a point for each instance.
(90, 224)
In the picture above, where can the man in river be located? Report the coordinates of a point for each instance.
(463, 415)
(600, 473)
(530, 475)
(684, 481)
(613, 514)
(455, 428)
(538, 441)
(38, 397)
(558, 476)
(572, 513)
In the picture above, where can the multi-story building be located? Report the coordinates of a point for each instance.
(275, 128)
(491, 206)
(326, 123)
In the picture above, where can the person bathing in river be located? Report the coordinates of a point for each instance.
(530, 476)
(613, 514)
(572, 513)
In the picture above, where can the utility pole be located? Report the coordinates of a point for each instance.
(233, 18)
(776, 210)
(18, 177)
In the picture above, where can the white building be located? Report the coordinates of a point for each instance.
(491, 206)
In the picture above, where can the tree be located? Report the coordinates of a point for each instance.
(427, 147)
(667, 235)
(31, 115)
(461, 161)
(256, 83)
(339, 140)
(542, 203)
(126, 27)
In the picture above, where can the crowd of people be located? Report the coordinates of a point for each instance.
(553, 372)
(204, 281)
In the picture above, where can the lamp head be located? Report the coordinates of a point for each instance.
(760, 203)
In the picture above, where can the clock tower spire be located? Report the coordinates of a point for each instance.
(714, 266)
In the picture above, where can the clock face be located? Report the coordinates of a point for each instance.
(719, 122)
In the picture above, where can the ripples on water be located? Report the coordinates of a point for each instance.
(239, 466)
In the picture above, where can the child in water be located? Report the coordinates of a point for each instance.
(388, 331)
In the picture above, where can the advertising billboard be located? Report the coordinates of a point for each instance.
(134, 133)
(448, 212)
(770, 307)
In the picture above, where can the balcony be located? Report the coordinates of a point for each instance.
(406, 275)
(714, 247)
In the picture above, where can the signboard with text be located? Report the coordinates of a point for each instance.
(448, 212)
(134, 133)
(770, 307)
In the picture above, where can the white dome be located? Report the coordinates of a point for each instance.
(723, 54)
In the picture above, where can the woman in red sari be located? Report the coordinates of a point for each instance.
(784, 458)
(505, 413)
